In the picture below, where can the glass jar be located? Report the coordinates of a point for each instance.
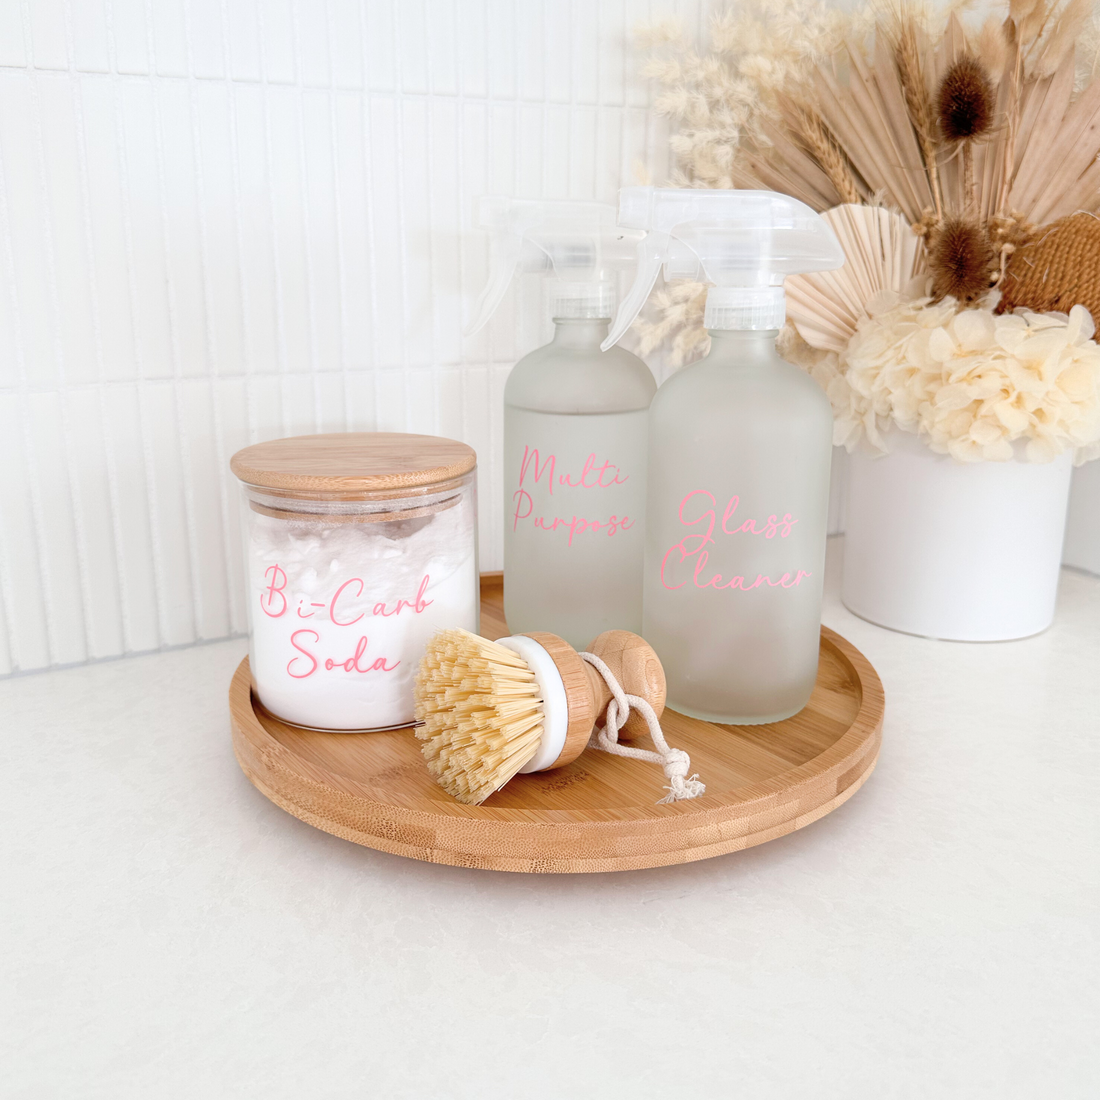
(358, 548)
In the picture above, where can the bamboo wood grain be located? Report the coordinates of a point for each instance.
(597, 813)
(353, 463)
(583, 697)
(631, 661)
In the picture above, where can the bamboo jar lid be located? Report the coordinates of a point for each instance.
(354, 465)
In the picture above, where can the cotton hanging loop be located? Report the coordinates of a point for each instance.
(675, 762)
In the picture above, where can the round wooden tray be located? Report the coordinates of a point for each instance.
(598, 813)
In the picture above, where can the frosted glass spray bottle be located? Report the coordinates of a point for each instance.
(739, 454)
(574, 425)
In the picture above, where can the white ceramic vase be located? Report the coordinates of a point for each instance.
(944, 549)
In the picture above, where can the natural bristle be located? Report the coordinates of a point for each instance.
(481, 711)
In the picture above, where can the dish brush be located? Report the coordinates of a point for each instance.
(529, 703)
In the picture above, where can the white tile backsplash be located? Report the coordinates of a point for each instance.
(227, 222)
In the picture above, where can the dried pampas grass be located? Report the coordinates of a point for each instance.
(726, 102)
(975, 136)
(676, 320)
(979, 138)
(907, 109)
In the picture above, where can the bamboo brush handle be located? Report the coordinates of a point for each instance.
(635, 666)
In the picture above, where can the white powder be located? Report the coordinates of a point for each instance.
(341, 612)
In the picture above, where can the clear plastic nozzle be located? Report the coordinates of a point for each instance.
(578, 242)
(748, 240)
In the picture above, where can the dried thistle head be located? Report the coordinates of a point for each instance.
(961, 259)
(965, 102)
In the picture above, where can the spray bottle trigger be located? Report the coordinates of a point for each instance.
(682, 263)
(651, 254)
(504, 253)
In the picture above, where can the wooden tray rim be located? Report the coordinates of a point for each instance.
(693, 848)
(851, 757)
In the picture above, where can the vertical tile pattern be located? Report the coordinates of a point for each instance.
(222, 222)
(226, 222)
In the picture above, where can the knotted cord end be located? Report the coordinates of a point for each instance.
(675, 762)
(681, 789)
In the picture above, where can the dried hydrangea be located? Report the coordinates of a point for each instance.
(971, 383)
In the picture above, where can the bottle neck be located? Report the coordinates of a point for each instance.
(742, 347)
(760, 308)
(587, 333)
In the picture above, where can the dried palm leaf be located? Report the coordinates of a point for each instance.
(881, 253)
(1046, 104)
(1069, 156)
(853, 122)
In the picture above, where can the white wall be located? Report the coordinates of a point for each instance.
(1082, 548)
(223, 221)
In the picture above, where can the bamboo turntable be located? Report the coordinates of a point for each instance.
(598, 813)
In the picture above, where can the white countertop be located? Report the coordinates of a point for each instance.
(168, 932)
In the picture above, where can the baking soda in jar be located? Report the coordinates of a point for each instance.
(358, 548)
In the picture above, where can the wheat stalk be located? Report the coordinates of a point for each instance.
(844, 109)
(910, 71)
(821, 144)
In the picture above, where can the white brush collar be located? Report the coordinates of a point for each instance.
(555, 708)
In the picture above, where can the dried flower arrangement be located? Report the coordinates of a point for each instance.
(959, 166)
